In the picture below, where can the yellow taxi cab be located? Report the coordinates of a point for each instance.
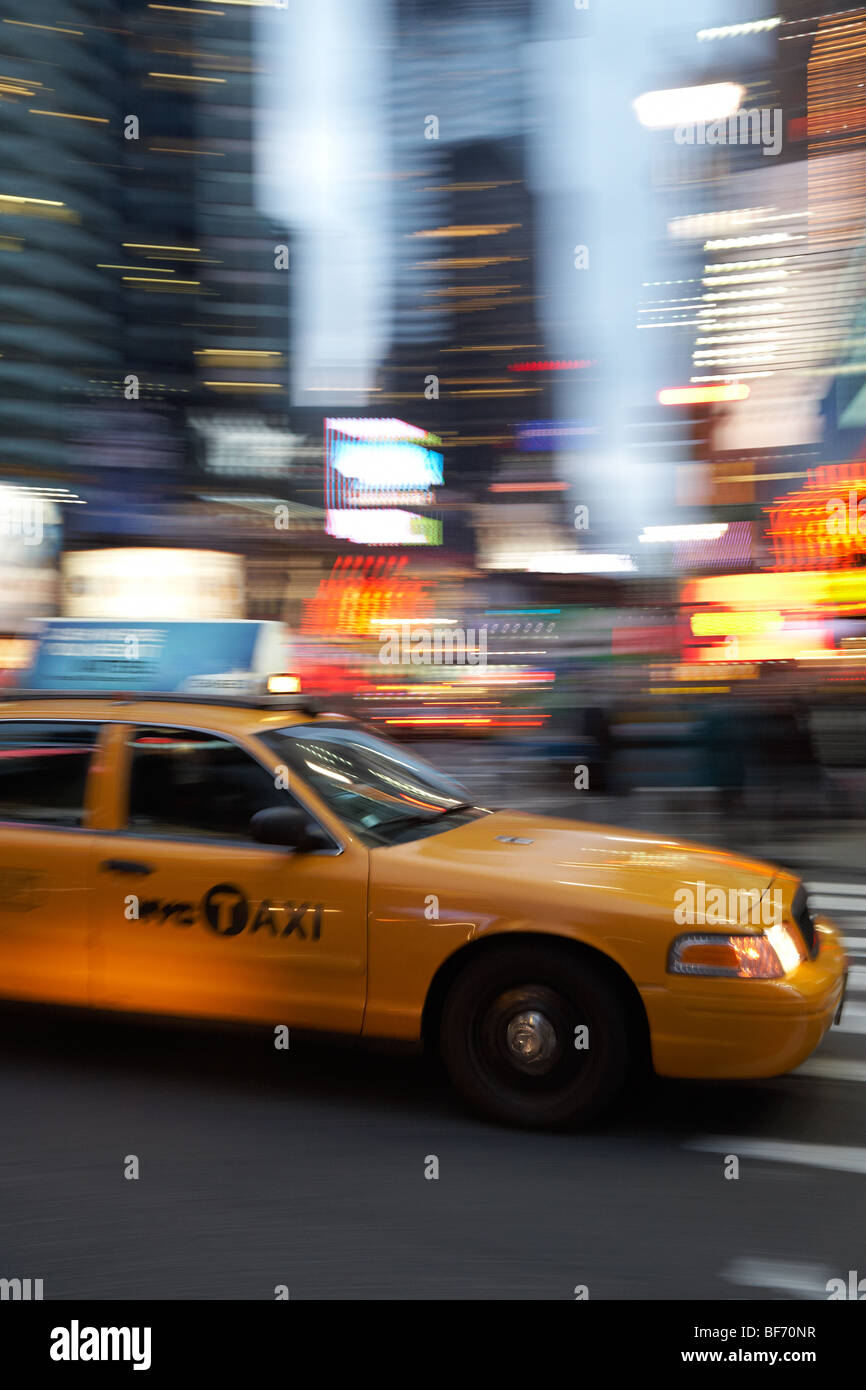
(251, 859)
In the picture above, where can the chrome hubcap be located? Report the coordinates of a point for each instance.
(531, 1039)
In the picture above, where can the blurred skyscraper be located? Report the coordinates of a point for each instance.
(143, 351)
(61, 164)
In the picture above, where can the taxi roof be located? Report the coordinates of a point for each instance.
(231, 712)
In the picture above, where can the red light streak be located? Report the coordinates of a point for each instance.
(573, 364)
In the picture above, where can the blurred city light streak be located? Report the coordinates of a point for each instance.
(685, 105)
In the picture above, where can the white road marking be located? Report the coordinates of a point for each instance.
(857, 889)
(853, 1018)
(807, 1281)
(825, 903)
(857, 977)
(833, 1069)
(839, 1157)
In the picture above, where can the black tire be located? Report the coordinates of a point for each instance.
(515, 997)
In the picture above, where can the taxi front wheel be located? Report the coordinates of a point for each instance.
(534, 1036)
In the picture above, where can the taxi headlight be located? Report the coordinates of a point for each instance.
(767, 956)
(787, 946)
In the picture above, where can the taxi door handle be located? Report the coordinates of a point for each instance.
(126, 866)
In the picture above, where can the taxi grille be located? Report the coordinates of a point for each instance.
(803, 921)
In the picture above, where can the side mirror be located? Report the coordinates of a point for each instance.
(289, 827)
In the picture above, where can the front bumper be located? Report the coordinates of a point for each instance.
(716, 1028)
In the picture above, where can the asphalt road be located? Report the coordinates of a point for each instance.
(307, 1169)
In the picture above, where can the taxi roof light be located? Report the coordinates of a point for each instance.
(283, 683)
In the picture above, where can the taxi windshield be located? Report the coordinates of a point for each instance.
(383, 792)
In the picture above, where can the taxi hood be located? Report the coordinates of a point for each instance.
(542, 854)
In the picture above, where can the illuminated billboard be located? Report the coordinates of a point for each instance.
(769, 617)
(374, 470)
(384, 467)
(156, 584)
(384, 526)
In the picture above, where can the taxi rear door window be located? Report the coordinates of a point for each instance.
(43, 771)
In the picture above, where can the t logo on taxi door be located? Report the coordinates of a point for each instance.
(225, 909)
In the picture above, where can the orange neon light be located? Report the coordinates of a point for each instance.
(363, 592)
(824, 523)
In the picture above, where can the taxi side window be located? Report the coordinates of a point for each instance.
(43, 771)
(189, 783)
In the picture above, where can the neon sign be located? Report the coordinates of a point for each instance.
(824, 524)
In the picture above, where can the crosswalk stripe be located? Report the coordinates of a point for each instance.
(839, 889)
(833, 1069)
(810, 1281)
(841, 1158)
(826, 903)
(853, 1018)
